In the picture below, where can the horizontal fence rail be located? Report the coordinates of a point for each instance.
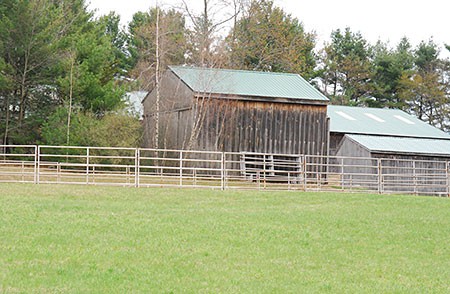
(143, 167)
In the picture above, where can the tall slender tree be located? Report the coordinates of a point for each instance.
(172, 43)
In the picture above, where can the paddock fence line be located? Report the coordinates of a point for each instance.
(143, 167)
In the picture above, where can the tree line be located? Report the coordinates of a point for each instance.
(64, 72)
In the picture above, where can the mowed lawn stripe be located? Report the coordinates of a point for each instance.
(108, 239)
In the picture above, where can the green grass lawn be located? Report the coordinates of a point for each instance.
(78, 239)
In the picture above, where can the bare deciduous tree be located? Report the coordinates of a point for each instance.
(205, 38)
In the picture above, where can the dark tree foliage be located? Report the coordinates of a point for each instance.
(424, 89)
(346, 68)
(50, 51)
(388, 67)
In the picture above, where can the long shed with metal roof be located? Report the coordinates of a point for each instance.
(385, 132)
(401, 150)
(237, 111)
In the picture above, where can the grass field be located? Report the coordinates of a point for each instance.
(78, 239)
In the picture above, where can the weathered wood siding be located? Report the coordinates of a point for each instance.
(400, 172)
(358, 165)
(350, 148)
(335, 140)
(266, 127)
(425, 173)
(175, 113)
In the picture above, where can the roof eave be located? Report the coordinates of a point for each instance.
(180, 78)
(356, 142)
(389, 135)
(261, 98)
(410, 153)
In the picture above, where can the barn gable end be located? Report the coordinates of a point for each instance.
(238, 111)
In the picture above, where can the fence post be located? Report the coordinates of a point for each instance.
(38, 164)
(258, 179)
(87, 165)
(194, 175)
(22, 171)
(447, 174)
(414, 177)
(222, 172)
(181, 168)
(289, 181)
(319, 179)
(305, 174)
(93, 174)
(264, 174)
(35, 164)
(137, 160)
(58, 172)
(380, 176)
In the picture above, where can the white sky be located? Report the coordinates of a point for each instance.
(388, 20)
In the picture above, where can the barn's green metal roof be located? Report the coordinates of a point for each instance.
(377, 121)
(419, 146)
(247, 83)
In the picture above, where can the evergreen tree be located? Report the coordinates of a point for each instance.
(346, 68)
(424, 88)
(389, 66)
(31, 32)
(51, 52)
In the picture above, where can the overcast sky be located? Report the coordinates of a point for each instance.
(388, 20)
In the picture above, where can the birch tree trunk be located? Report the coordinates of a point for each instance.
(157, 81)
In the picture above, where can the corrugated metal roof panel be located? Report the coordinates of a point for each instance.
(247, 83)
(135, 101)
(420, 146)
(378, 121)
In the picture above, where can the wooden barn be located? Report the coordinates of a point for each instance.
(237, 111)
(400, 142)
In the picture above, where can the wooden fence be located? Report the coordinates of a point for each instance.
(140, 167)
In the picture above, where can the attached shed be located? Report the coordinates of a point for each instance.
(395, 147)
(237, 111)
(346, 120)
(403, 150)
